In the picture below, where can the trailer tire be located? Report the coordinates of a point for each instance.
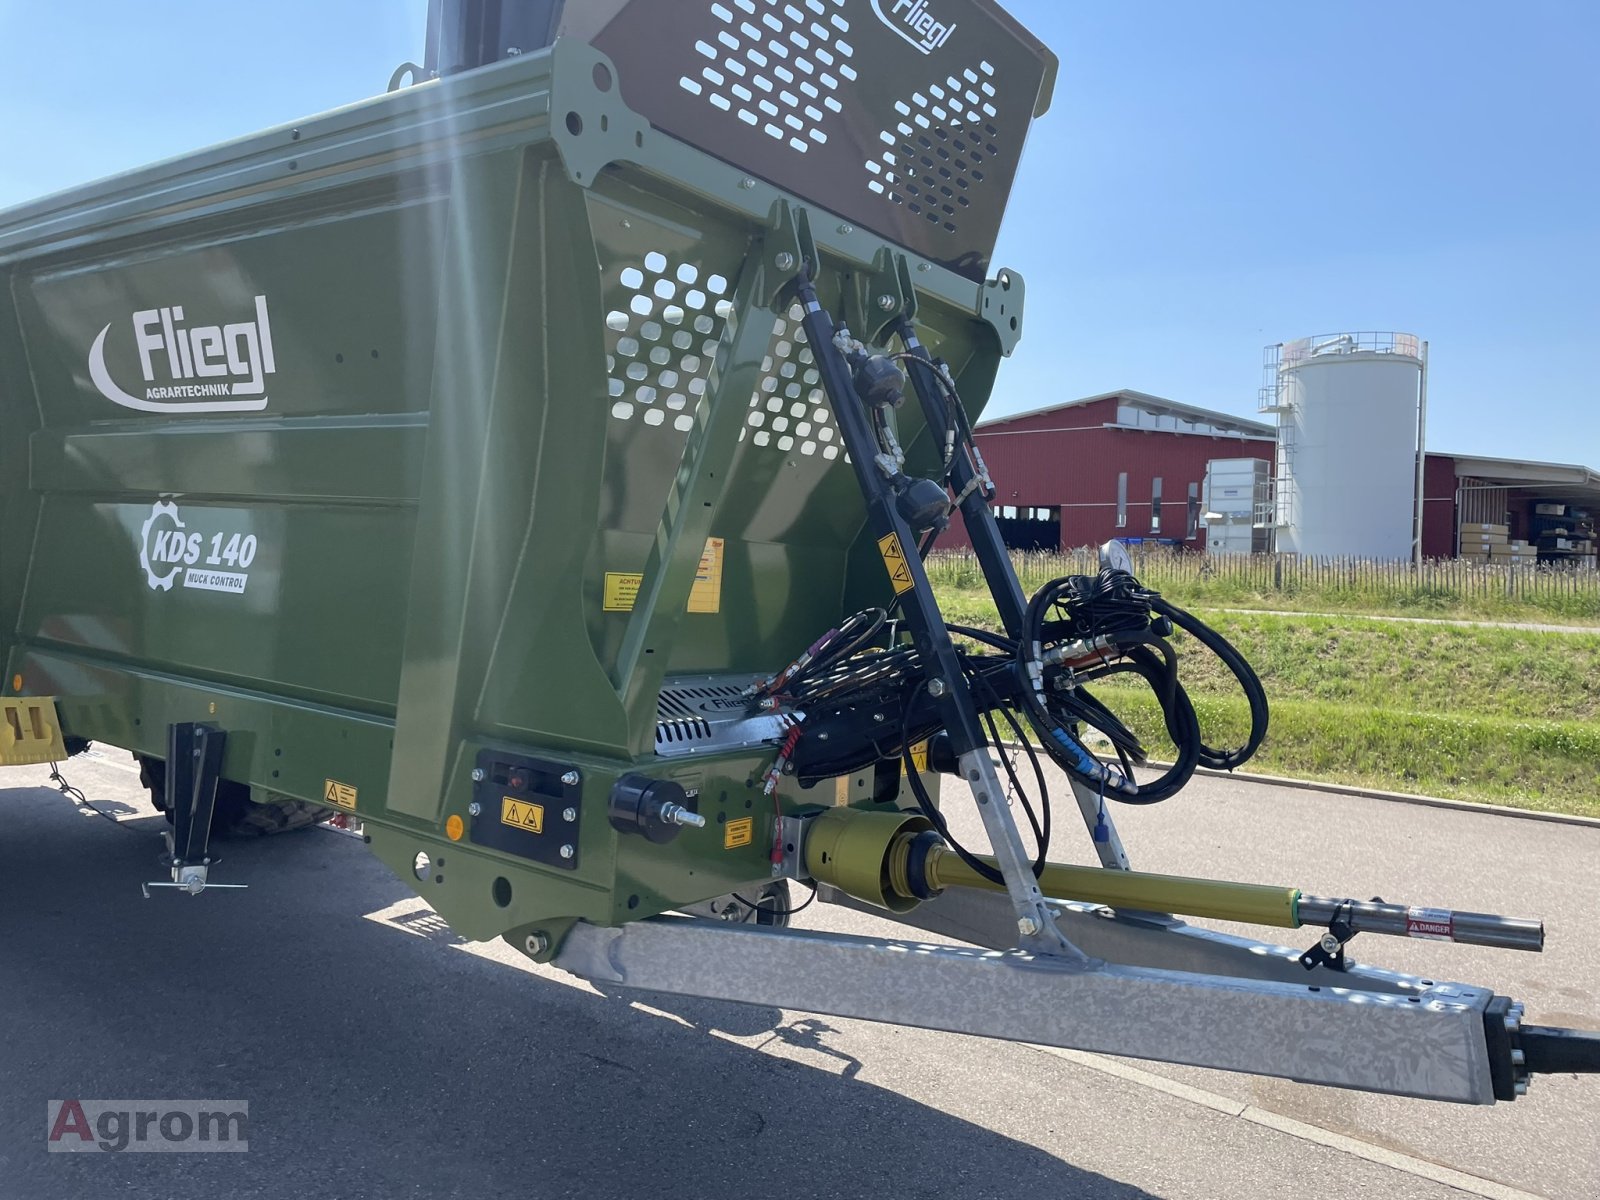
(236, 815)
(247, 818)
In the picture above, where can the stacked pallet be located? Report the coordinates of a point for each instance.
(1494, 543)
(1565, 533)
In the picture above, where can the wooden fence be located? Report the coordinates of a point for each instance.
(1561, 589)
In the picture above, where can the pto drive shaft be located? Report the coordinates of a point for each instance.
(893, 860)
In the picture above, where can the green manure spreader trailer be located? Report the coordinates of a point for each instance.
(535, 464)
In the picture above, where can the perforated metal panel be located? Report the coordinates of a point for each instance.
(907, 117)
(789, 410)
(662, 341)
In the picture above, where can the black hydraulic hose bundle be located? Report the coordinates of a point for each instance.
(1212, 759)
(1119, 627)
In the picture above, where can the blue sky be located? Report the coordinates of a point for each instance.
(1211, 177)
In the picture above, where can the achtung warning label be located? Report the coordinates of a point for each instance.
(919, 755)
(705, 596)
(738, 833)
(338, 793)
(894, 561)
(621, 591)
(520, 814)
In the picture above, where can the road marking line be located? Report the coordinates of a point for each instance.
(1355, 1147)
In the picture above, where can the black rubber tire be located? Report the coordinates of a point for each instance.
(236, 815)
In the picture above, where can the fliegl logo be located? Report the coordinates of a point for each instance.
(192, 369)
(912, 21)
(170, 549)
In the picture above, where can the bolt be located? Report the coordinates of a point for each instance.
(571, 778)
(536, 944)
(847, 228)
(477, 775)
(567, 851)
(676, 814)
(1522, 1087)
(877, 718)
(1330, 944)
(936, 688)
(569, 814)
(747, 183)
(784, 261)
(475, 809)
(887, 302)
(1518, 1059)
(923, 267)
(1027, 926)
(822, 737)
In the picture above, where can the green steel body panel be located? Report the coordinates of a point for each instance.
(333, 435)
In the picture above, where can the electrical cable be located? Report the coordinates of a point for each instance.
(1041, 824)
(78, 798)
(779, 912)
(926, 807)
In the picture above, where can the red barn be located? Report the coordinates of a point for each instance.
(1120, 465)
(1129, 465)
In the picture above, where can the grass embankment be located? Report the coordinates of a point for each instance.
(1497, 715)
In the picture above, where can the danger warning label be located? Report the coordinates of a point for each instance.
(520, 814)
(338, 793)
(738, 833)
(1433, 924)
(894, 561)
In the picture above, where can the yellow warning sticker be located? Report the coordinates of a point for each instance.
(520, 814)
(738, 833)
(919, 755)
(705, 596)
(621, 591)
(894, 561)
(338, 793)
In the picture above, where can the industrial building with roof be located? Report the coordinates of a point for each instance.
(1132, 466)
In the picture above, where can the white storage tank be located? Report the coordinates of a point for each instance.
(1350, 427)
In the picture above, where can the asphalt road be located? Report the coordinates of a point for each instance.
(382, 1057)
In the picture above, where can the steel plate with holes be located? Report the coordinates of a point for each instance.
(905, 116)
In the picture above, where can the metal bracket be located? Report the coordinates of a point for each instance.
(881, 297)
(792, 843)
(1329, 950)
(589, 123)
(789, 245)
(1002, 307)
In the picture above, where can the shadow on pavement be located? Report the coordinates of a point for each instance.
(381, 1064)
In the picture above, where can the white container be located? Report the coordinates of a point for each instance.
(1234, 489)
